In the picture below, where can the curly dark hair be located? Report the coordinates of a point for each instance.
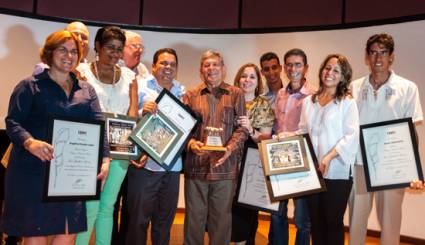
(107, 33)
(343, 88)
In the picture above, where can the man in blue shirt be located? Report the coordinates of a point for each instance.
(153, 191)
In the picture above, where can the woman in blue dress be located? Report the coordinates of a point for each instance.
(56, 91)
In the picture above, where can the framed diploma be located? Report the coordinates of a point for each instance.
(164, 136)
(77, 156)
(296, 184)
(390, 154)
(286, 155)
(252, 189)
(118, 129)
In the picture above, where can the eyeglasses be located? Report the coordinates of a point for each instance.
(382, 53)
(292, 65)
(136, 46)
(113, 48)
(65, 51)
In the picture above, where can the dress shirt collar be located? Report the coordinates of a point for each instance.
(217, 91)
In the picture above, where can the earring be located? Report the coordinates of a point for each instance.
(97, 57)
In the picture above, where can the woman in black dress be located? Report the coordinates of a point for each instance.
(56, 91)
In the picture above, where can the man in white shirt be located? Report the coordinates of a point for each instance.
(380, 96)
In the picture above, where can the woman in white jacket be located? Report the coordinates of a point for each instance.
(331, 118)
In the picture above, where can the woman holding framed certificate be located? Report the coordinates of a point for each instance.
(55, 91)
(117, 90)
(330, 117)
(259, 122)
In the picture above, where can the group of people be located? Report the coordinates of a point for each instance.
(66, 84)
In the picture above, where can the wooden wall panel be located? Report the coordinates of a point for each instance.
(22, 5)
(123, 11)
(217, 14)
(364, 10)
(286, 13)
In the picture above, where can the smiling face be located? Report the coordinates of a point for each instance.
(331, 74)
(110, 52)
(248, 81)
(165, 69)
(212, 71)
(133, 51)
(295, 68)
(271, 70)
(65, 57)
(379, 58)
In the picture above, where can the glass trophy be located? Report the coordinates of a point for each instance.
(213, 140)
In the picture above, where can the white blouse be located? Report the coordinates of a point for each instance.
(335, 125)
(113, 98)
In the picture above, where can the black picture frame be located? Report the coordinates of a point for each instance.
(395, 141)
(182, 119)
(122, 147)
(251, 177)
(78, 149)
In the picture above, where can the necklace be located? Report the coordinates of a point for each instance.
(376, 86)
(97, 73)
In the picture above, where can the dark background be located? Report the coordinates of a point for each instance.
(223, 14)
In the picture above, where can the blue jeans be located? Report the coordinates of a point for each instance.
(278, 234)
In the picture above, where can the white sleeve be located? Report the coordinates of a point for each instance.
(348, 145)
(413, 104)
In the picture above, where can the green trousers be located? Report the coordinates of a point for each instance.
(100, 213)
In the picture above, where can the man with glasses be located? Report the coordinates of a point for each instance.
(288, 110)
(381, 96)
(133, 51)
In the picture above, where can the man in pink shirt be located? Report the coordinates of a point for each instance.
(289, 101)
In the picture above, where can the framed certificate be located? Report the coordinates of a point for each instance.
(118, 130)
(390, 154)
(286, 155)
(252, 189)
(77, 156)
(173, 118)
(296, 184)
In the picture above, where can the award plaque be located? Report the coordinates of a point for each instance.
(390, 154)
(295, 184)
(164, 136)
(77, 155)
(252, 189)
